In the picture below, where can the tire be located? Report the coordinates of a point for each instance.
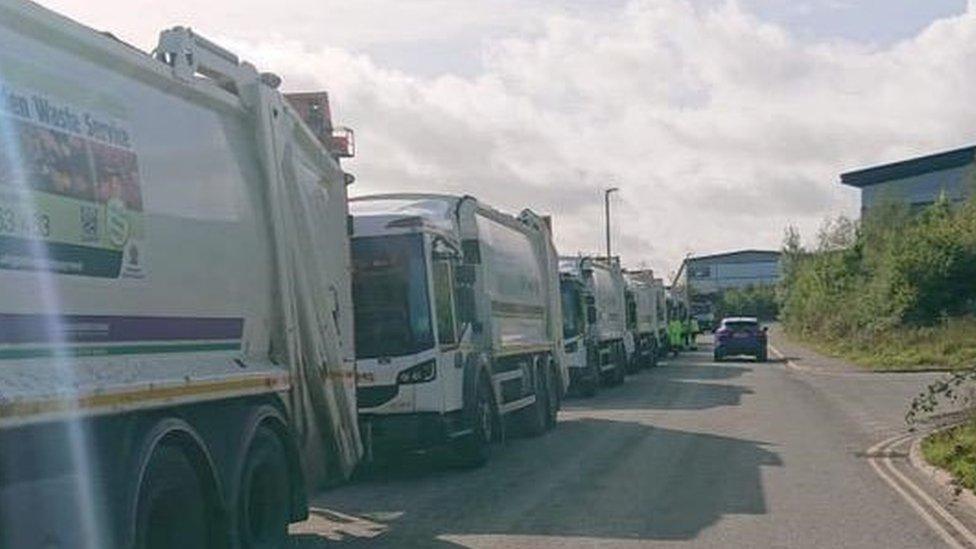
(589, 387)
(474, 450)
(652, 357)
(172, 508)
(716, 357)
(263, 497)
(533, 419)
(554, 388)
(620, 372)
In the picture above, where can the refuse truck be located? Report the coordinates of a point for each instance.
(605, 283)
(176, 348)
(661, 309)
(579, 317)
(643, 311)
(459, 333)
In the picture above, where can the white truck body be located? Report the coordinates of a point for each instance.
(419, 243)
(608, 286)
(608, 331)
(641, 283)
(645, 311)
(168, 245)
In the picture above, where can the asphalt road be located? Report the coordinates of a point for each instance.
(736, 454)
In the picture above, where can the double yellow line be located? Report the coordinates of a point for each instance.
(948, 527)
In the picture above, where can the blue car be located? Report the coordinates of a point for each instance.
(740, 336)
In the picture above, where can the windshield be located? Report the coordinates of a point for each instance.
(392, 309)
(741, 325)
(572, 310)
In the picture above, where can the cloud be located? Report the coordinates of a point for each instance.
(719, 127)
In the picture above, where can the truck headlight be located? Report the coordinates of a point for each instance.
(421, 373)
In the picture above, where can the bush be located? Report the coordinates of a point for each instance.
(757, 301)
(896, 269)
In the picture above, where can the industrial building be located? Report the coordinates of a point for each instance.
(712, 273)
(701, 279)
(918, 181)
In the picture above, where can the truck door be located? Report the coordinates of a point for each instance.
(451, 352)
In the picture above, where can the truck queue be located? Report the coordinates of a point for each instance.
(198, 327)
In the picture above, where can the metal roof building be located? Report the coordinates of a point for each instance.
(713, 273)
(917, 181)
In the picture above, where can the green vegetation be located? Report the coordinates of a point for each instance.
(955, 451)
(757, 301)
(949, 345)
(895, 291)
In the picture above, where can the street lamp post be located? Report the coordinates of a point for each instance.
(606, 205)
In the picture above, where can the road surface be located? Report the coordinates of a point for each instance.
(691, 453)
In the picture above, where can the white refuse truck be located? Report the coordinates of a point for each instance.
(458, 323)
(579, 335)
(644, 318)
(608, 330)
(176, 359)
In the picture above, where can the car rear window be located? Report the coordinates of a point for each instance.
(741, 326)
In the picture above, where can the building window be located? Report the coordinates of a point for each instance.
(700, 271)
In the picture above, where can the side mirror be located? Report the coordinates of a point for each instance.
(765, 329)
(591, 315)
(464, 275)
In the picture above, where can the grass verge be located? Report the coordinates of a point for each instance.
(955, 451)
(950, 345)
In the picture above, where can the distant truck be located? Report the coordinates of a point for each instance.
(459, 332)
(643, 315)
(607, 332)
(176, 353)
(579, 319)
(661, 310)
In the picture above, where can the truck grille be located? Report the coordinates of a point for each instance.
(371, 397)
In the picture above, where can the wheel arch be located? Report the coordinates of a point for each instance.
(270, 416)
(478, 368)
(156, 431)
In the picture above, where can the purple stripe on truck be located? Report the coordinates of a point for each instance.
(16, 328)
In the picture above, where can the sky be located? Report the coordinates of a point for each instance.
(722, 122)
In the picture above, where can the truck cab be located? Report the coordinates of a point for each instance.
(456, 323)
(579, 314)
(410, 341)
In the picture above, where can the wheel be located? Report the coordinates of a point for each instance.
(620, 372)
(554, 388)
(533, 419)
(475, 449)
(652, 357)
(172, 509)
(263, 494)
(589, 387)
(717, 357)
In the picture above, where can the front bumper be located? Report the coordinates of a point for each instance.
(581, 375)
(733, 347)
(407, 432)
